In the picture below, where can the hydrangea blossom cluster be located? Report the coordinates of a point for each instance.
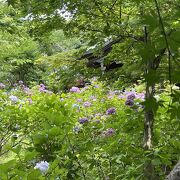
(129, 102)
(74, 89)
(2, 86)
(78, 100)
(109, 132)
(140, 96)
(42, 166)
(121, 97)
(83, 120)
(13, 99)
(26, 89)
(87, 104)
(76, 106)
(111, 111)
(110, 96)
(42, 87)
(131, 96)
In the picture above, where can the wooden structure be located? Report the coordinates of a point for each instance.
(95, 61)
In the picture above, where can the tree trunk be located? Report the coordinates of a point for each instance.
(149, 117)
(175, 173)
(148, 134)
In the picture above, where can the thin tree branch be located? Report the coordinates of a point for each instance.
(166, 40)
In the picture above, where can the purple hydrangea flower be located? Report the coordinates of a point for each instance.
(42, 85)
(129, 102)
(74, 89)
(131, 96)
(109, 132)
(47, 91)
(42, 88)
(83, 120)
(140, 96)
(42, 166)
(2, 86)
(111, 111)
(14, 99)
(121, 96)
(87, 104)
(26, 89)
(110, 96)
(79, 100)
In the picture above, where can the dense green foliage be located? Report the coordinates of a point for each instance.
(124, 124)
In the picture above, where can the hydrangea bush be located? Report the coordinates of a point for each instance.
(88, 133)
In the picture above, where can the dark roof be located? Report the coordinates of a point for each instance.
(95, 61)
(105, 50)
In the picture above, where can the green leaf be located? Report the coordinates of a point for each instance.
(156, 162)
(16, 149)
(30, 155)
(55, 131)
(34, 174)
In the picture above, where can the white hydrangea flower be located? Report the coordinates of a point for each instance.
(42, 166)
(14, 99)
